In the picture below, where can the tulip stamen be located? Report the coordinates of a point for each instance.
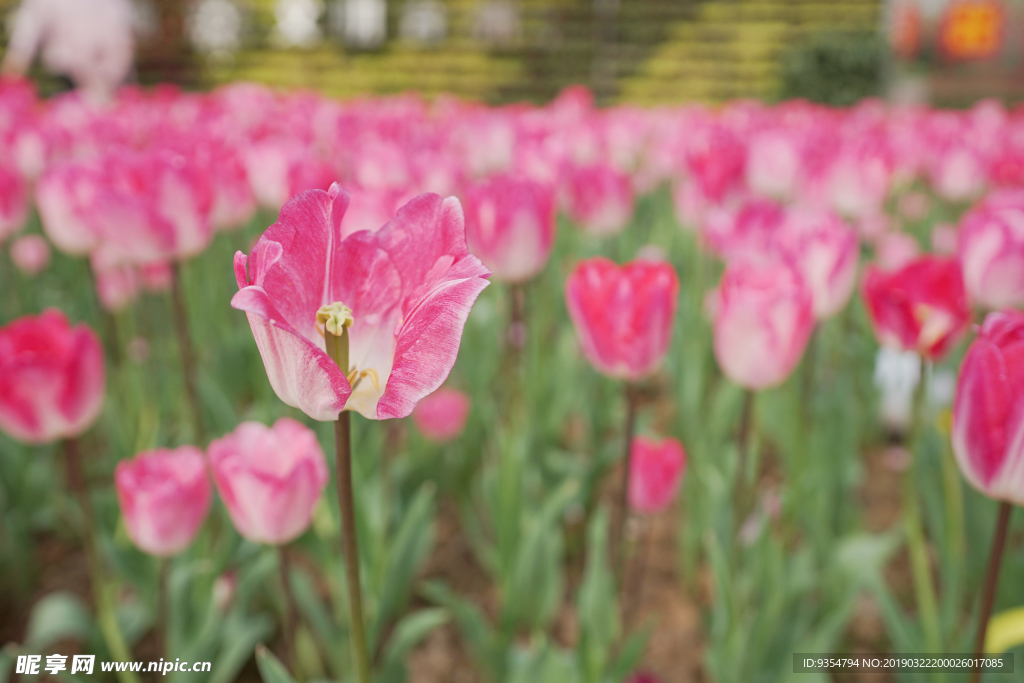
(356, 377)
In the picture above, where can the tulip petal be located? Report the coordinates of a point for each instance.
(980, 412)
(301, 374)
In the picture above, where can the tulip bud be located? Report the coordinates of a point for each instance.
(991, 250)
(442, 416)
(763, 319)
(988, 410)
(52, 378)
(921, 307)
(655, 470)
(30, 254)
(164, 497)
(269, 478)
(510, 226)
(623, 315)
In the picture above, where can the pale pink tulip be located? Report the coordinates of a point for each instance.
(623, 315)
(442, 416)
(30, 254)
(826, 252)
(510, 226)
(410, 287)
(991, 250)
(655, 470)
(270, 478)
(164, 497)
(52, 378)
(763, 319)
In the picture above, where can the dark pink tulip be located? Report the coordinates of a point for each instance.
(655, 470)
(269, 478)
(52, 378)
(921, 307)
(988, 410)
(13, 201)
(410, 287)
(598, 198)
(510, 226)
(442, 416)
(623, 314)
(991, 250)
(30, 254)
(164, 497)
(763, 318)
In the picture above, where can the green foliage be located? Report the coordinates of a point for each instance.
(834, 67)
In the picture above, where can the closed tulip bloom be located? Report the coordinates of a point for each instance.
(270, 478)
(510, 226)
(826, 252)
(164, 497)
(442, 416)
(63, 195)
(991, 250)
(623, 315)
(408, 289)
(988, 411)
(655, 470)
(30, 254)
(764, 317)
(52, 378)
(920, 307)
(598, 198)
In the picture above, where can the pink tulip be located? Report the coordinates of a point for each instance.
(826, 252)
(164, 497)
(510, 226)
(442, 416)
(991, 248)
(764, 317)
(921, 307)
(655, 470)
(644, 678)
(117, 286)
(988, 411)
(31, 254)
(410, 287)
(773, 164)
(894, 250)
(623, 314)
(13, 201)
(64, 194)
(269, 478)
(598, 198)
(52, 378)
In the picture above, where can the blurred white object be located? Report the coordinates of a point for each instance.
(298, 22)
(366, 23)
(941, 388)
(897, 374)
(424, 21)
(89, 41)
(497, 22)
(215, 26)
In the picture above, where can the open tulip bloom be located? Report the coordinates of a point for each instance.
(407, 287)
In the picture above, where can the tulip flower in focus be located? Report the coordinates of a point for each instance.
(510, 226)
(920, 307)
(13, 201)
(598, 198)
(164, 497)
(52, 378)
(408, 288)
(270, 478)
(442, 416)
(623, 315)
(656, 468)
(991, 250)
(763, 318)
(30, 254)
(988, 411)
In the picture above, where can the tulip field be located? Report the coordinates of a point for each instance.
(385, 390)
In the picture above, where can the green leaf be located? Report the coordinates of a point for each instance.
(57, 616)
(271, 668)
(1005, 631)
(597, 604)
(241, 635)
(412, 629)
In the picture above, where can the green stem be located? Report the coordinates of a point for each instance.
(991, 581)
(188, 359)
(290, 617)
(106, 613)
(740, 493)
(350, 548)
(620, 533)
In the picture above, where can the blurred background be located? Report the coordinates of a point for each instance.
(641, 51)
